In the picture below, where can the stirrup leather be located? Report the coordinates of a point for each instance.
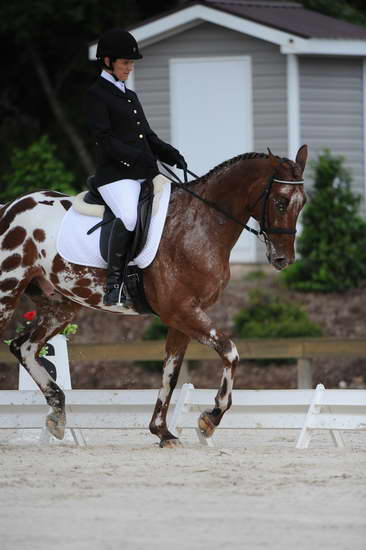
(126, 301)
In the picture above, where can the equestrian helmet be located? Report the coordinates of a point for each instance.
(118, 43)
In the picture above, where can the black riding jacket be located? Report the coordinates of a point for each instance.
(121, 133)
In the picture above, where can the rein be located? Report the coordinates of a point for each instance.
(263, 229)
(184, 185)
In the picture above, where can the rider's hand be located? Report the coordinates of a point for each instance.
(181, 162)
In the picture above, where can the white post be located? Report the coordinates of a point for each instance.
(314, 409)
(183, 377)
(180, 408)
(337, 439)
(304, 373)
(293, 105)
(305, 435)
(364, 130)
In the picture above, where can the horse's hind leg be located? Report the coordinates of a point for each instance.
(11, 289)
(52, 317)
(176, 345)
(5, 316)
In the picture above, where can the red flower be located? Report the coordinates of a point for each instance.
(30, 315)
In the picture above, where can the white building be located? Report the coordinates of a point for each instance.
(291, 75)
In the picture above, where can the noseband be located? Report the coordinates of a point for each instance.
(263, 229)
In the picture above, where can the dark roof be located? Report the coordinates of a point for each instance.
(290, 17)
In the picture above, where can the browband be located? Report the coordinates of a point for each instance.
(300, 182)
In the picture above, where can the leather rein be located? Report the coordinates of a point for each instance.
(263, 229)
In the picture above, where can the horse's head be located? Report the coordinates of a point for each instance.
(279, 205)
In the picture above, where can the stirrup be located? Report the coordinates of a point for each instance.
(123, 296)
(117, 295)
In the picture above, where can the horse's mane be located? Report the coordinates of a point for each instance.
(233, 160)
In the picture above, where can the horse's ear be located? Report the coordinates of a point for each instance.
(302, 156)
(274, 161)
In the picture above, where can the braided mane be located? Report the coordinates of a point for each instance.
(227, 163)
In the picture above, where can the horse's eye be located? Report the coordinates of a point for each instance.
(281, 204)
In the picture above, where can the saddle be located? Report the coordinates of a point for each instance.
(144, 208)
(91, 203)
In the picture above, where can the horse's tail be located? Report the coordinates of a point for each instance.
(3, 209)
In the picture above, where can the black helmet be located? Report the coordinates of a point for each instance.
(118, 43)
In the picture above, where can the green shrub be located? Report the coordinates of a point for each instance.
(156, 330)
(272, 317)
(255, 275)
(332, 245)
(36, 168)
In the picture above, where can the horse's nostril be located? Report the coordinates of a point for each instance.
(280, 262)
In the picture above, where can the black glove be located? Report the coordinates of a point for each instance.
(147, 162)
(181, 162)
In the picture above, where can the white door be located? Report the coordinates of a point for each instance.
(211, 118)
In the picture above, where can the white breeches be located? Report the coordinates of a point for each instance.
(122, 197)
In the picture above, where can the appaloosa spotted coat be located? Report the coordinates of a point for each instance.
(190, 271)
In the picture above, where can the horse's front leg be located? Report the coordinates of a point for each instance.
(196, 324)
(176, 345)
(210, 419)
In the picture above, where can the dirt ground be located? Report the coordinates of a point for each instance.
(253, 490)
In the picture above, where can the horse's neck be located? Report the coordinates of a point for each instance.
(232, 191)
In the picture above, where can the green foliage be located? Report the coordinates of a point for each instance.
(40, 19)
(155, 331)
(35, 168)
(333, 241)
(352, 11)
(270, 316)
(70, 329)
(255, 275)
(58, 34)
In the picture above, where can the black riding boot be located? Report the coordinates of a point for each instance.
(118, 258)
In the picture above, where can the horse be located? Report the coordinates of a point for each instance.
(188, 274)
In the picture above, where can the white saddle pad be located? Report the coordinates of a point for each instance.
(75, 246)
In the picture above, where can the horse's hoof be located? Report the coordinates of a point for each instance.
(56, 425)
(205, 424)
(170, 443)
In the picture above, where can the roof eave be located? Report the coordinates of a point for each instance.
(326, 46)
(187, 17)
(197, 13)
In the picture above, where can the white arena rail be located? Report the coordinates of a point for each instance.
(305, 410)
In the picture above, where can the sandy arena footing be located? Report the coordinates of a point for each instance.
(253, 490)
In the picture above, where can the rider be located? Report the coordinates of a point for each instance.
(126, 149)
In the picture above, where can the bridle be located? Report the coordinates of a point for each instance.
(263, 228)
(264, 196)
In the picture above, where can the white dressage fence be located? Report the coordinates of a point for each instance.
(305, 410)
